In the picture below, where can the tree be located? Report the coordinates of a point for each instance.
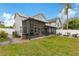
(73, 23)
(67, 7)
(2, 24)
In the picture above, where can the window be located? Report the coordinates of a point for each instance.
(35, 29)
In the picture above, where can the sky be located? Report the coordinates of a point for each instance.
(50, 10)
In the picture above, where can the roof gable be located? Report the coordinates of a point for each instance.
(40, 17)
(54, 20)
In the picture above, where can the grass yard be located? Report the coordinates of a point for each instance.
(47, 46)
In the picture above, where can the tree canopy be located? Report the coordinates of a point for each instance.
(3, 26)
(73, 23)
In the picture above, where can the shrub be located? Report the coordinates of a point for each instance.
(3, 36)
(3, 39)
(15, 34)
(73, 23)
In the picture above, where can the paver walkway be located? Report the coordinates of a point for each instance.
(5, 43)
(18, 40)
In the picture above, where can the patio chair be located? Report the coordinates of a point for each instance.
(75, 35)
(67, 34)
(59, 33)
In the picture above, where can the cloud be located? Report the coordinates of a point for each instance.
(6, 15)
(8, 19)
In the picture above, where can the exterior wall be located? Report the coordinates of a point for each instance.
(38, 27)
(18, 24)
(58, 24)
(55, 23)
(54, 30)
(33, 27)
(51, 30)
(26, 26)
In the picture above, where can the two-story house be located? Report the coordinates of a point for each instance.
(32, 25)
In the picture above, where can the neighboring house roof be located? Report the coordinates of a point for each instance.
(39, 17)
(53, 20)
(50, 25)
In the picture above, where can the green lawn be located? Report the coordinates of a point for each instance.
(47, 46)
